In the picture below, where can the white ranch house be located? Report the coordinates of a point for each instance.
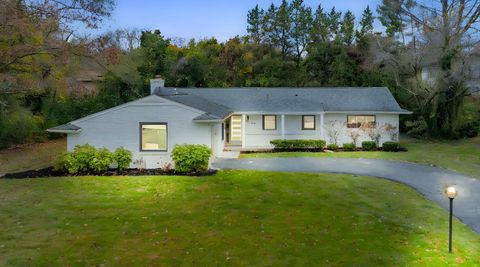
(231, 119)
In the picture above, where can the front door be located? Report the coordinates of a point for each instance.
(236, 130)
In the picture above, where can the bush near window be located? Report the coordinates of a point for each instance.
(333, 147)
(191, 158)
(123, 158)
(281, 144)
(102, 160)
(369, 145)
(87, 158)
(349, 147)
(82, 157)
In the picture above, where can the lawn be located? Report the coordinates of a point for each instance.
(462, 156)
(238, 218)
(31, 156)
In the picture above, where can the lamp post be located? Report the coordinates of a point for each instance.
(451, 192)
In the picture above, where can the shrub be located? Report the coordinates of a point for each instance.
(101, 160)
(332, 147)
(70, 163)
(83, 156)
(349, 147)
(369, 145)
(469, 129)
(59, 162)
(390, 146)
(122, 157)
(191, 158)
(297, 144)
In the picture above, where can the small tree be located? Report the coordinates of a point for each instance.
(373, 131)
(354, 134)
(392, 131)
(333, 129)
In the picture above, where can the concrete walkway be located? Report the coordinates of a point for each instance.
(429, 181)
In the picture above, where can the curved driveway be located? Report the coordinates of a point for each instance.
(427, 180)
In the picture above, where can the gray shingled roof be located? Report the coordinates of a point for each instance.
(65, 128)
(214, 111)
(292, 100)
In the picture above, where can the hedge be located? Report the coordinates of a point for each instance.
(281, 144)
(349, 147)
(333, 147)
(191, 158)
(87, 158)
(390, 146)
(369, 145)
(393, 147)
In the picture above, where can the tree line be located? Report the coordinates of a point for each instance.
(290, 45)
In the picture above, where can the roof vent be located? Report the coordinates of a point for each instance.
(156, 83)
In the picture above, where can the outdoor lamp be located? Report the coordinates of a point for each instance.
(451, 192)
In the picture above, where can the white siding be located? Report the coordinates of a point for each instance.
(256, 137)
(120, 127)
(341, 119)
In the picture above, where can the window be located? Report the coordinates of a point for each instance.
(269, 122)
(308, 122)
(355, 121)
(153, 136)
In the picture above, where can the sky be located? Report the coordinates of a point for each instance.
(200, 19)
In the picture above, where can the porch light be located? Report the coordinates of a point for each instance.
(450, 192)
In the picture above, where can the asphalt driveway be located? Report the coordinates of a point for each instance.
(427, 180)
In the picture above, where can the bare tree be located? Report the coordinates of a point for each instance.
(441, 37)
(373, 131)
(391, 130)
(333, 129)
(354, 134)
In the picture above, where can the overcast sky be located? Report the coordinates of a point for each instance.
(200, 19)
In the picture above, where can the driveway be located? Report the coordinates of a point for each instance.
(427, 180)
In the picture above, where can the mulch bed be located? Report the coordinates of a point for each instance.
(50, 172)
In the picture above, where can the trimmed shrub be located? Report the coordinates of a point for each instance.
(83, 156)
(59, 162)
(191, 158)
(349, 147)
(102, 159)
(123, 158)
(281, 144)
(333, 147)
(369, 145)
(390, 146)
(71, 163)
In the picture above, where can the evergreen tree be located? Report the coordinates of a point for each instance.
(254, 27)
(153, 47)
(366, 27)
(283, 24)
(320, 30)
(347, 28)
(390, 16)
(334, 23)
(301, 17)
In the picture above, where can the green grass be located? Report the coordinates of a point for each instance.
(462, 156)
(31, 156)
(237, 218)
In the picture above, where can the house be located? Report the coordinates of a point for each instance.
(231, 118)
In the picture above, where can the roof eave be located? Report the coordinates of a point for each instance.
(63, 131)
